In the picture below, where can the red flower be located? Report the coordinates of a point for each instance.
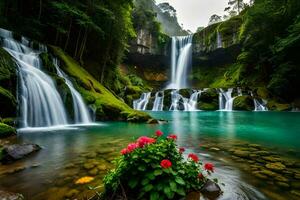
(143, 140)
(194, 157)
(124, 151)
(200, 176)
(159, 133)
(131, 147)
(181, 149)
(165, 164)
(172, 136)
(209, 167)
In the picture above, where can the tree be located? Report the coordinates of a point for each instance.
(200, 29)
(215, 19)
(236, 5)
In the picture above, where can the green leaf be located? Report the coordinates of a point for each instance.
(154, 196)
(179, 180)
(142, 168)
(173, 186)
(150, 176)
(158, 172)
(145, 181)
(180, 191)
(168, 191)
(148, 187)
(132, 183)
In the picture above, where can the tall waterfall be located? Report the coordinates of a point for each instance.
(81, 113)
(219, 40)
(40, 102)
(181, 58)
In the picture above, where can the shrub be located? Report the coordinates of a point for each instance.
(154, 168)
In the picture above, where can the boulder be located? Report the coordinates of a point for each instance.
(18, 151)
(243, 103)
(211, 190)
(10, 196)
(186, 93)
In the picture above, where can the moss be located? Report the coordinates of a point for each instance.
(6, 130)
(186, 92)
(8, 103)
(243, 103)
(47, 62)
(107, 106)
(208, 106)
(275, 106)
(9, 121)
(7, 66)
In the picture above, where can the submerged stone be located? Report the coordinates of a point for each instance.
(241, 153)
(211, 190)
(10, 196)
(18, 151)
(275, 166)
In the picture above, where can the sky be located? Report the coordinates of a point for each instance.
(195, 13)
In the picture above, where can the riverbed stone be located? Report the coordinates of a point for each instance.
(88, 165)
(297, 176)
(71, 193)
(280, 178)
(214, 149)
(268, 173)
(93, 172)
(296, 192)
(241, 153)
(258, 174)
(211, 190)
(277, 166)
(263, 153)
(15, 152)
(272, 158)
(10, 196)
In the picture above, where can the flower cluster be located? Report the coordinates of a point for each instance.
(157, 159)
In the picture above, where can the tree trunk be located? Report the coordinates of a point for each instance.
(68, 36)
(82, 48)
(106, 55)
(40, 11)
(77, 43)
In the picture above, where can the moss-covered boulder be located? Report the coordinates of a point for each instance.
(186, 93)
(8, 102)
(167, 99)
(243, 103)
(106, 105)
(6, 130)
(209, 100)
(276, 106)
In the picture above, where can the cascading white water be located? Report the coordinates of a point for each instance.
(258, 106)
(181, 58)
(81, 113)
(226, 100)
(192, 104)
(158, 104)
(187, 104)
(219, 40)
(141, 103)
(40, 102)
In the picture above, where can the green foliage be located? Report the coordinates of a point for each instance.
(6, 130)
(139, 174)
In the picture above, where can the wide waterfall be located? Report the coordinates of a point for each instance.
(40, 103)
(181, 58)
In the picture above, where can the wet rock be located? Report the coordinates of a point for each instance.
(268, 173)
(275, 166)
(102, 167)
(297, 176)
(258, 174)
(152, 121)
(71, 193)
(280, 178)
(282, 184)
(272, 158)
(18, 151)
(10, 196)
(241, 153)
(214, 149)
(88, 166)
(243, 103)
(92, 155)
(296, 192)
(93, 172)
(295, 184)
(211, 190)
(257, 146)
(263, 153)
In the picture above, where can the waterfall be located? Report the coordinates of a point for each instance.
(158, 102)
(141, 103)
(192, 104)
(181, 58)
(40, 102)
(81, 113)
(226, 100)
(219, 40)
(175, 98)
(258, 105)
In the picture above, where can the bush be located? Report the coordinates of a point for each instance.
(154, 168)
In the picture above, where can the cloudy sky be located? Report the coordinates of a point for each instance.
(195, 13)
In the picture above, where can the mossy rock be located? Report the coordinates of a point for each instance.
(276, 166)
(47, 62)
(208, 106)
(243, 103)
(8, 103)
(275, 106)
(133, 90)
(6, 130)
(106, 105)
(186, 93)
(210, 95)
(9, 121)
